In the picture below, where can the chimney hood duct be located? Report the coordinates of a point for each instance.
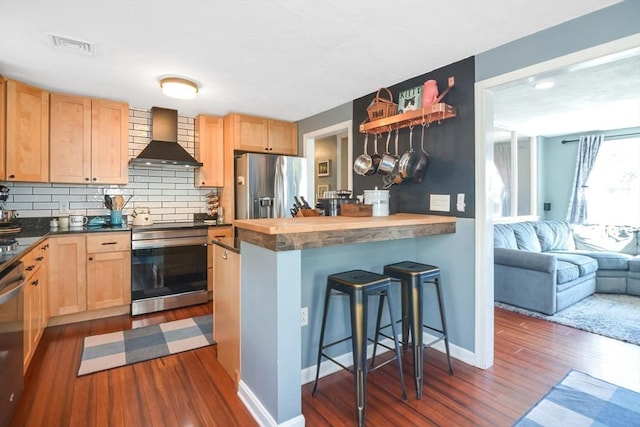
(164, 150)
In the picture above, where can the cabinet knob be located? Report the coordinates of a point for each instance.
(87, 179)
(40, 258)
(90, 258)
(12, 176)
(95, 179)
(35, 282)
(29, 268)
(224, 255)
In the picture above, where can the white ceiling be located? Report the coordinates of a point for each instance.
(597, 95)
(286, 59)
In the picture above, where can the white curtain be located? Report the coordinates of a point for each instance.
(502, 160)
(588, 147)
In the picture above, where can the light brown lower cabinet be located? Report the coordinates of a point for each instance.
(214, 233)
(226, 312)
(67, 275)
(89, 272)
(35, 308)
(106, 274)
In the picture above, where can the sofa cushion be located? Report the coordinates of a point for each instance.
(526, 237)
(554, 235)
(566, 273)
(584, 263)
(608, 260)
(606, 238)
(634, 264)
(503, 237)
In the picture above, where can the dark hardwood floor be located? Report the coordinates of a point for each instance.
(192, 389)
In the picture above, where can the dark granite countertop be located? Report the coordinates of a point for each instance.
(33, 230)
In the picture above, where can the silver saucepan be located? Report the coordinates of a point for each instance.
(364, 162)
(7, 215)
(388, 162)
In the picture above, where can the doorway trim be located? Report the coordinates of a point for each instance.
(484, 324)
(308, 147)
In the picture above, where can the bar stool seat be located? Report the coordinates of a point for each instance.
(359, 285)
(413, 275)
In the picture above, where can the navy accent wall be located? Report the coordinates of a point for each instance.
(450, 145)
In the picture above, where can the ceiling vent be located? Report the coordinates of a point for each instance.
(72, 45)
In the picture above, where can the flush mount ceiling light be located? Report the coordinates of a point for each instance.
(177, 87)
(544, 85)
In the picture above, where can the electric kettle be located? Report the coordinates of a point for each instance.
(142, 216)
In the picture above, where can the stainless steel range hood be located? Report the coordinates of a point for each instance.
(164, 150)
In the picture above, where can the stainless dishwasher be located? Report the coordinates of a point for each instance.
(11, 341)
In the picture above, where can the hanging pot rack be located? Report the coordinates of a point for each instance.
(437, 112)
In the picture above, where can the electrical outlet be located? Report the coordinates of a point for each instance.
(304, 316)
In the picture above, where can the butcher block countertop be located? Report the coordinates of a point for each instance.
(283, 234)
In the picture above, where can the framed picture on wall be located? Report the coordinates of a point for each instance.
(324, 167)
(322, 188)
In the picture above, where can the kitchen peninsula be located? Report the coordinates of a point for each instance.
(284, 266)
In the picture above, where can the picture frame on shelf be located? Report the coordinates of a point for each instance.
(324, 167)
(321, 189)
(410, 99)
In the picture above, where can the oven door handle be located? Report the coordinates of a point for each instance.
(11, 291)
(168, 243)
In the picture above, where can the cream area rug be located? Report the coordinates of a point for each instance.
(115, 349)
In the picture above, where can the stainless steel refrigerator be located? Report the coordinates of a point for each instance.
(267, 183)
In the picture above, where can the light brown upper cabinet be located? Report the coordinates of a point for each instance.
(3, 121)
(209, 148)
(89, 140)
(261, 135)
(27, 133)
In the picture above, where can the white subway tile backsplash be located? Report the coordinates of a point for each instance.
(22, 198)
(35, 213)
(49, 205)
(51, 190)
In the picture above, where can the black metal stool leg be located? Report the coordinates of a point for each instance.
(443, 320)
(377, 336)
(414, 290)
(359, 343)
(327, 298)
(406, 316)
(397, 347)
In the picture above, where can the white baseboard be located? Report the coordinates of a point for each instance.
(260, 413)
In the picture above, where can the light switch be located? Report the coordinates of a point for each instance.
(460, 202)
(440, 202)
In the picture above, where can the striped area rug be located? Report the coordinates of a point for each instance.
(582, 400)
(102, 352)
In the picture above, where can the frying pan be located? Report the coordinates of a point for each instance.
(364, 162)
(423, 162)
(409, 160)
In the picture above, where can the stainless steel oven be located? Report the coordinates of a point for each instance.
(11, 341)
(168, 268)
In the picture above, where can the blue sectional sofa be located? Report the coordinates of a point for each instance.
(538, 266)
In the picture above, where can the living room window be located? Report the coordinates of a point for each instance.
(512, 175)
(613, 188)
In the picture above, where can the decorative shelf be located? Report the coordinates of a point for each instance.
(432, 113)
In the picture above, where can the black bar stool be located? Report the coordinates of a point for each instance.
(412, 276)
(359, 285)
